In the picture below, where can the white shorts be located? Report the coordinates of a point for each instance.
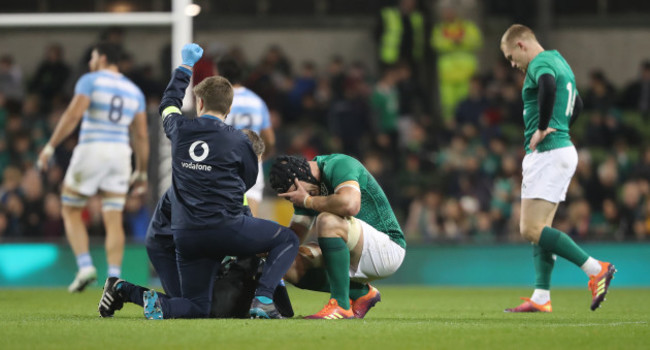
(255, 192)
(99, 166)
(380, 256)
(547, 175)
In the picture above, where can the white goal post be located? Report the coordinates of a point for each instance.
(181, 24)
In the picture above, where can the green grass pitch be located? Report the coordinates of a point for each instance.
(407, 318)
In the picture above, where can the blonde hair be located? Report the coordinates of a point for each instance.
(216, 93)
(256, 140)
(517, 32)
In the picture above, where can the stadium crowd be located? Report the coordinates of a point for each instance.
(456, 180)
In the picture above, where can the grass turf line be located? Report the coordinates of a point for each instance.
(407, 318)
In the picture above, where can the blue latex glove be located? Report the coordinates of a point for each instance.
(191, 53)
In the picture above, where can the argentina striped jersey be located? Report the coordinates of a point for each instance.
(248, 111)
(114, 102)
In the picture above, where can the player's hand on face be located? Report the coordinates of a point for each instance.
(191, 53)
(538, 137)
(296, 196)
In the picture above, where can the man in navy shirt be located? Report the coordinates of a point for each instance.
(213, 165)
(162, 254)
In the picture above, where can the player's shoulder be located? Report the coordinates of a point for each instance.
(337, 159)
(247, 95)
(132, 85)
(89, 77)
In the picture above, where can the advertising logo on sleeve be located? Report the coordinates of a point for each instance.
(199, 151)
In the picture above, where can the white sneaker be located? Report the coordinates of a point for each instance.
(85, 276)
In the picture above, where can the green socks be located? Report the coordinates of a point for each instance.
(544, 262)
(357, 290)
(336, 257)
(316, 280)
(561, 244)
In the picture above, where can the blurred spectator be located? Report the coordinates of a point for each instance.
(456, 41)
(636, 95)
(580, 217)
(385, 109)
(600, 96)
(52, 227)
(270, 79)
(142, 76)
(4, 223)
(336, 76)
(349, 118)
(92, 216)
(32, 188)
(203, 68)
(136, 218)
(471, 109)
(400, 34)
(425, 218)
(455, 226)
(401, 41)
(303, 85)
(504, 193)
(631, 211)
(11, 177)
(15, 211)
(237, 54)
(11, 78)
(482, 231)
(50, 77)
(412, 179)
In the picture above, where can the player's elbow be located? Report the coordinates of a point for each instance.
(351, 208)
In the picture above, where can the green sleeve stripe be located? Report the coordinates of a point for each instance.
(169, 110)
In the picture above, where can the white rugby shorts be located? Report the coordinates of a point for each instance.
(99, 166)
(547, 175)
(255, 192)
(380, 256)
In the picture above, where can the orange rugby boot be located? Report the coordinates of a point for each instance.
(599, 284)
(531, 306)
(332, 311)
(361, 306)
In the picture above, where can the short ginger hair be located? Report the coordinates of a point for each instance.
(216, 93)
(517, 32)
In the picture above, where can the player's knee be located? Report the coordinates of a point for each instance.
(330, 225)
(297, 269)
(72, 202)
(531, 232)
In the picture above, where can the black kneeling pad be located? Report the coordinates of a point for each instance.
(235, 286)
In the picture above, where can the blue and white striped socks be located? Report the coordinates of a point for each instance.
(114, 271)
(84, 260)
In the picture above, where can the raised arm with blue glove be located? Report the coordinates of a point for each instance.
(191, 53)
(172, 100)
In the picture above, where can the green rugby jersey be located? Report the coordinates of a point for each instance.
(375, 209)
(549, 62)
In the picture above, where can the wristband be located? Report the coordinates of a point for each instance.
(306, 202)
(48, 150)
(138, 176)
(141, 176)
